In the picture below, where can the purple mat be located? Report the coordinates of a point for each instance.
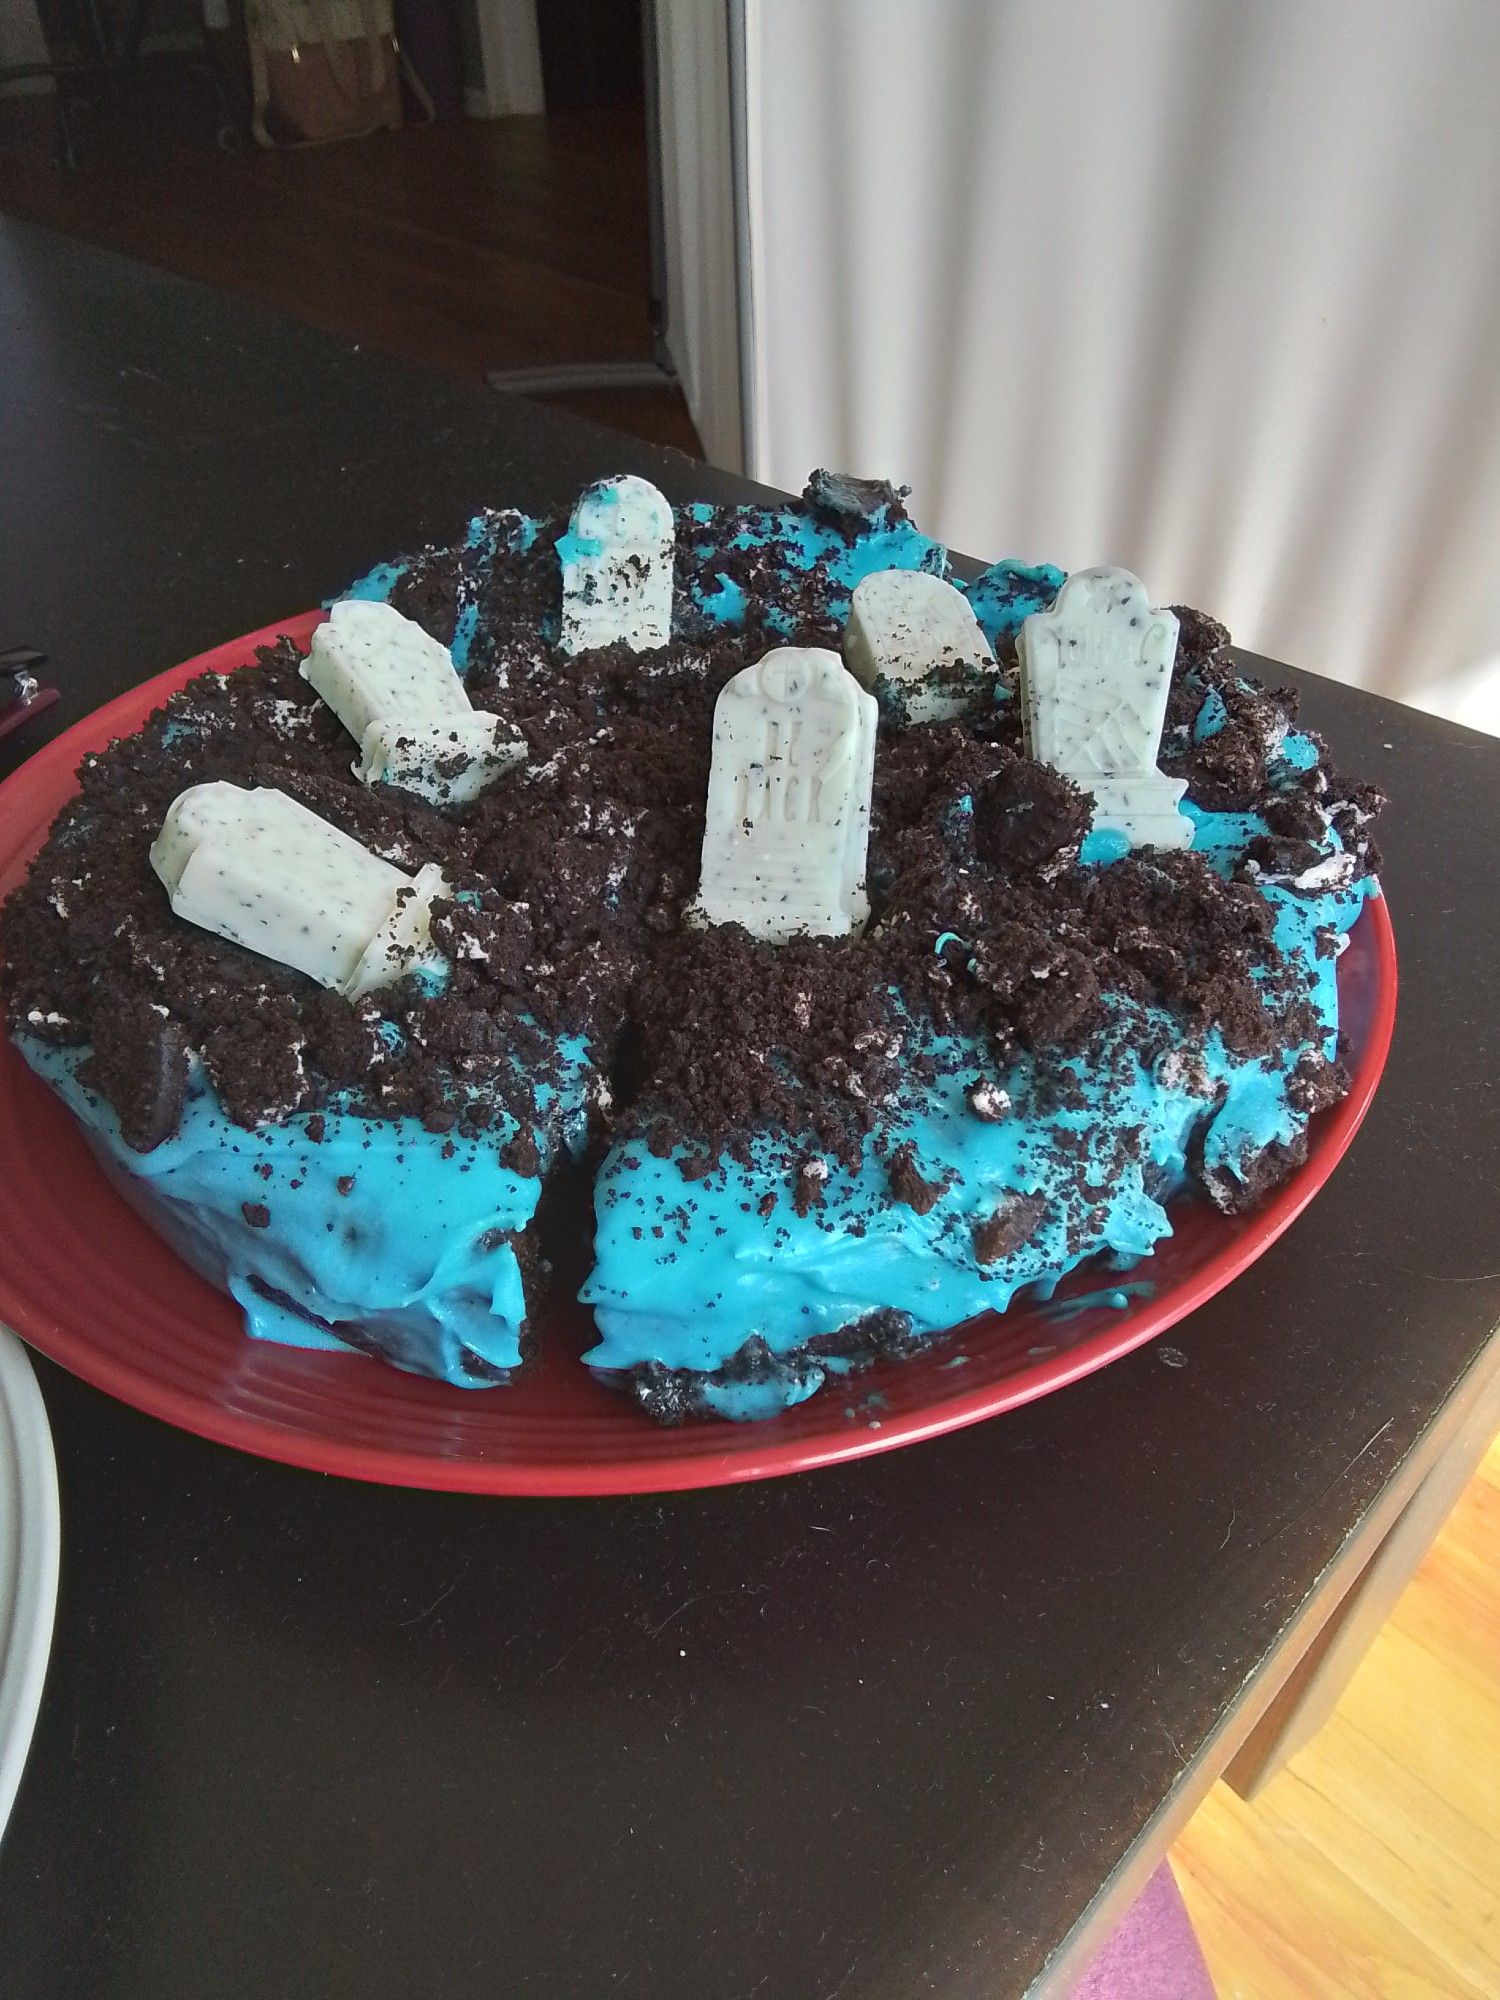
(1153, 1953)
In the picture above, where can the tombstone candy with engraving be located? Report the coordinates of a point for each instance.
(616, 562)
(260, 869)
(915, 643)
(397, 692)
(1096, 670)
(789, 799)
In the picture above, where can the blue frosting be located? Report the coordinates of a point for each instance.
(1211, 717)
(1298, 751)
(1007, 593)
(687, 1272)
(1103, 844)
(1114, 1298)
(412, 1256)
(377, 586)
(800, 542)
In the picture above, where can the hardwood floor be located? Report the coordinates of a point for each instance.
(1370, 1868)
(467, 245)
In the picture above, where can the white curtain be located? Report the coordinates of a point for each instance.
(700, 181)
(1210, 288)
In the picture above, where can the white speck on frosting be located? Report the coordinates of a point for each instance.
(1184, 1069)
(1332, 873)
(987, 1100)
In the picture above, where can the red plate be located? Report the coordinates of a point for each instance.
(88, 1283)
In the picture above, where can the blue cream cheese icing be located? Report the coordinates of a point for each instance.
(378, 1234)
(691, 1275)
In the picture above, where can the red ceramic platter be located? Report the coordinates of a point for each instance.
(88, 1283)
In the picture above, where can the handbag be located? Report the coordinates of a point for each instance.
(323, 70)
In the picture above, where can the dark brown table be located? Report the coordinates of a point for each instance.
(304, 1737)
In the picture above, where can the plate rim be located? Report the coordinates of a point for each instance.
(704, 1465)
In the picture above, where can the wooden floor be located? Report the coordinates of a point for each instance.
(517, 242)
(1371, 1866)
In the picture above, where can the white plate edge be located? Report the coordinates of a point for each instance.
(26, 1633)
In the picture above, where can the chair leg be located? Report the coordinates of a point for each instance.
(1313, 1688)
(96, 23)
(229, 108)
(65, 139)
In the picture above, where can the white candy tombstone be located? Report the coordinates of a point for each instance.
(617, 567)
(259, 869)
(915, 643)
(789, 799)
(397, 692)
(1096, 670)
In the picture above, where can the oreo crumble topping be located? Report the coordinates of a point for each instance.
(571, 877)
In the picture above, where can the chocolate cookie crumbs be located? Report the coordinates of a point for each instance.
(853, 506)
(1008, 1228)
(141, 1066)
(673, 1395)
(807, 1191)
(909, 1185)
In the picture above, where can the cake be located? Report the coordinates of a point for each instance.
(1009, 1039)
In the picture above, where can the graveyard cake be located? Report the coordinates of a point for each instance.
(882, 946)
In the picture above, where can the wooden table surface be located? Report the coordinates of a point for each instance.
(301, 1736)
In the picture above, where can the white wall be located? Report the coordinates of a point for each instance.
(1207, 287)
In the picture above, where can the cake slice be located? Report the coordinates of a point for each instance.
(332, 1229)
(737, 1271)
